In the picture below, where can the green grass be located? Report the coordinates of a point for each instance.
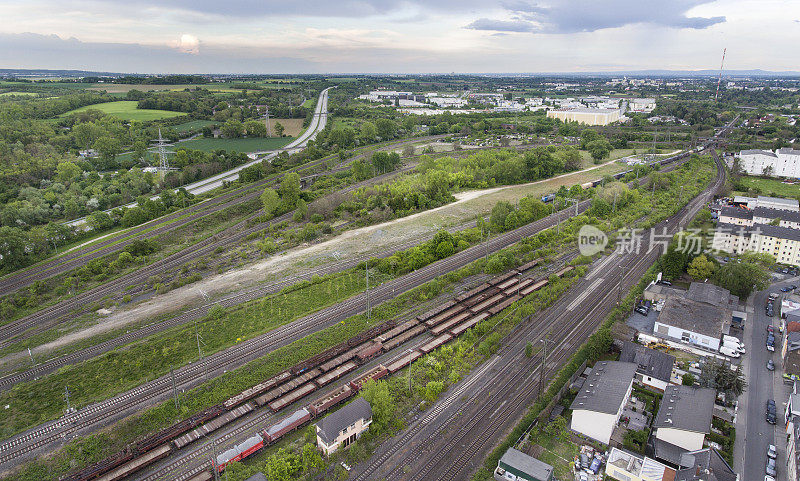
(18, 94)
(309, 103)
(238, 145)
(193, 125)
(771, 187)
(126, 110)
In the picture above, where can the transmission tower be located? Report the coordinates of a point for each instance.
(163, 163)
(266, 119)
(719, 79)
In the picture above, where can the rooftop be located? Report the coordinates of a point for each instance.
(768, 213)
(650, 362)
(709, 294)
(335, 423)
(704, 465)
(694, 316)
(758, 151)
(686, 408)
(586, 110)
(735, 212)
(606, 387)
(788, 203)
(529, 465)
(777, 231)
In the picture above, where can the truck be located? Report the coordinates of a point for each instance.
(728, 351)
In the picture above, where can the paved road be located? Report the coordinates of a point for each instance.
(754, 434)
(318, 122)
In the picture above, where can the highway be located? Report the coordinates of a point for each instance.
(318, 122)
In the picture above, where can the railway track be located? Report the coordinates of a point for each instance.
(102, 412)
(23, 328)
(237, 355)
(496, 407)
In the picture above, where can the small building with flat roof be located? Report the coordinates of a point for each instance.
(653, 367)
(518, 466)
(597, 407)
(692, 322)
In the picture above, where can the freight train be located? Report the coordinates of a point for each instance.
(444, 323)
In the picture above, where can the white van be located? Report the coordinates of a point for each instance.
(734, 345)
(728, 351)
(731, 339)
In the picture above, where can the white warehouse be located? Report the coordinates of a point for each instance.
(781, 163)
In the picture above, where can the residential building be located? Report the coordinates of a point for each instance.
(790, 349)
(518, 466)
(705, 465)
(586, 116)
(600, 401)
(344, 426)
(759, 215)
(792, 421)
(654, 368)
(682, 422)
(783, 243)
(645, 105)
(626, 466)
(780, 163)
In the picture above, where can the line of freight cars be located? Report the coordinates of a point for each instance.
(619, 175)
(444, 322)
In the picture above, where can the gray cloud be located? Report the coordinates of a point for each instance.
(502, 25)
(30, 50)
(572, 16)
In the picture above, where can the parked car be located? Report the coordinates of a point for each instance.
(666, 283)
(768, 478)
(793, 287)
(771, 330)
(771, 346)
(770, 365)
(772, 453)
(786, 289)
(771, 468)
(642, 310)
(771, 418)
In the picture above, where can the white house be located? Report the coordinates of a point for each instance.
(599, 404)
(653, 367)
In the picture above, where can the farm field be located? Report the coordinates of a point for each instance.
(771, 187)
(238, 145)
(291, 127)
(192, 125)
(126, 110)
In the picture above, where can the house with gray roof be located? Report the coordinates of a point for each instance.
(653, 367)
(518, 466)
(682, 422)
(704, 465)
(693, 322)
(600, 401)
(343, 427)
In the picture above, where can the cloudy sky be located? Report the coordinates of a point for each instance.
(415, 36)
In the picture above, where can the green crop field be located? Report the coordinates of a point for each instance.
(126, 110)
(192, 125)
(238, 145)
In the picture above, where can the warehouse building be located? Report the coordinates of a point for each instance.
(586, 116)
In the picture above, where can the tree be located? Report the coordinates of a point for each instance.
(290, 189)
(270, 201)
(688, 379)
(66, 172)
(673, 262)
(385, 161)
(232, 129)
(279, 129)
(108, 148)
(383, 407)
(599, 149)
(570, 158)
(742, 277)
(386, 128)
(139, 150)
(719, 375)
(255, 128)
(99, 221)
(368, 131)
(701, 268)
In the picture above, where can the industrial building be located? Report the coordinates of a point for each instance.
(586, 116)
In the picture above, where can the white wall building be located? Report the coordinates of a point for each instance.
(599, 404)
(781, 163)
(586, 116)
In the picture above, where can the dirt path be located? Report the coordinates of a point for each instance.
(370, 240)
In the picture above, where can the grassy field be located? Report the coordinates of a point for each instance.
(126, 110)
(771, 187)
(238, 145)
(309, 103)
(291, 127)
(20, 94)
(193, 125)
